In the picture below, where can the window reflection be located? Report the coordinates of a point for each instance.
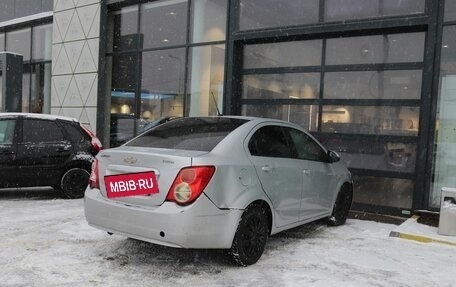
(281, 86)
(2, 42)
(208, 20)
(42, 43)
(207, 65)
(304, 115)
(358, 9)
(164, 23)
(372, 154)
(450, 10)
(123, 29)
(391, 48)
(404, 84)
(162, 84)
(384, 120)
(18, 42)
(41, 88)
(391, 192)
(256, 14)
(445, 133)
(271, 55)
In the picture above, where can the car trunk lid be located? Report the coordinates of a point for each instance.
(165, 163)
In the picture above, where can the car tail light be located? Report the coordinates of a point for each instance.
(189, 184)
(95, 142)
(94, 180)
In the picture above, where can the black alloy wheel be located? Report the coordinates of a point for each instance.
(74, 182)
(341, 206)
(251, 235)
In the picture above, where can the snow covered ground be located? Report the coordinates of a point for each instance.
(47, 242)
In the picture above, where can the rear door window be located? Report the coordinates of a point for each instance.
(38, 131)
(7, 131)
(201, 134)
(269, 141)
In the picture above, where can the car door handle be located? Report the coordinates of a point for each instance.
(267, 168)
(306, 172)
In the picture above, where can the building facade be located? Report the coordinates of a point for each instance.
(373, 80)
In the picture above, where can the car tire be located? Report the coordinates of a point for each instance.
(251, 235)
(74, 182)
(341, 207)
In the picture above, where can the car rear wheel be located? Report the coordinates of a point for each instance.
(341, 206)
(251, 235)
(74, 182)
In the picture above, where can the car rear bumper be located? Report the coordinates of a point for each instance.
(199, 225)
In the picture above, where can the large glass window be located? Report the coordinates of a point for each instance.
(163, 23)
(271, 55)
(401, 84)
(391, 192)
(304, 115)
(35, 45)
(207, 66)
(388, 48)
(359, 95)
(26, 88)
(445, 135)
(281, 86)
(2, 42)
(372, 153)
(40, 87)
(336, 10)
(123, 83)
(18, 41)
(208, 20)
(42, 38)
(180, 71)
(450, 10)
(123, 29)
(384, 120)
(256, 14)
(12, 9)
(162, 83)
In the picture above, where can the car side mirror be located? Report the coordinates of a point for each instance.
(333, 156)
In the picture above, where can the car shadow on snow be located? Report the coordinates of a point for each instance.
(29, 193)
(137, 254)
(132, 253)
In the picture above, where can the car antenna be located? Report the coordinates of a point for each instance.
(216, 105)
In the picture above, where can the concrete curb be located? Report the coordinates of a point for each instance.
(404, 234)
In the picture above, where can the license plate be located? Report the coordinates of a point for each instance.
(131, 184)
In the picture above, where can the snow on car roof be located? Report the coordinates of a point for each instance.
(38, 116)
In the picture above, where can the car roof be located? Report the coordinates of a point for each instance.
(38, 116)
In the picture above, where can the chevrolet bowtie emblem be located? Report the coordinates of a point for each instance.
(130, 160)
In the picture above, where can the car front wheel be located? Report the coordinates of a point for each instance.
(74, 182)
(251, 235)
(341, 206)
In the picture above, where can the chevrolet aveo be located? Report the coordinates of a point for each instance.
(217, 183)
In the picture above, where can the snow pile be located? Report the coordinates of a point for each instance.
(45, 242)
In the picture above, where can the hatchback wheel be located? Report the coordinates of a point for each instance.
(251, 235)
(341, 206)
(74, 182)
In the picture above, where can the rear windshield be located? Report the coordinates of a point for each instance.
(201, 134)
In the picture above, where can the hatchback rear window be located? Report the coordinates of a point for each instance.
(201, 134)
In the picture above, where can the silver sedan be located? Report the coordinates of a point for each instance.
(217, 182)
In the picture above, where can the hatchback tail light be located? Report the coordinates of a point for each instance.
(189, 184)
(95, 142)
(94, 180)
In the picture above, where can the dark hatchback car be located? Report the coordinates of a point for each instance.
(43, 150)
